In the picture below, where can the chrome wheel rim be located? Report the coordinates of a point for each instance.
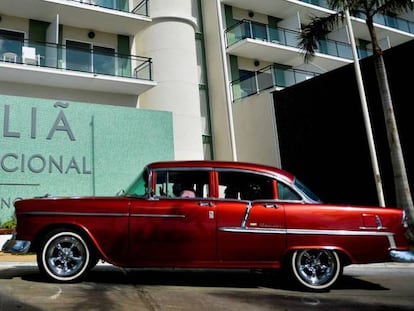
(316, 268)
(65, 256)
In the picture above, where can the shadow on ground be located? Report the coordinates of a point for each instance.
(189, 277)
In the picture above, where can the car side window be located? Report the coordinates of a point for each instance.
(182, 184)
(244, 186)
(286, 193)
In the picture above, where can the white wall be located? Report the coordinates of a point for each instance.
(254, 122)
(170, 41)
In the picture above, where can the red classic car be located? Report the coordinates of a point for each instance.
(208, 214)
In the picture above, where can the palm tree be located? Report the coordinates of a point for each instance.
(319, 27)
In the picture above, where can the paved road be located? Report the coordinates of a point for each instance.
(366, 287)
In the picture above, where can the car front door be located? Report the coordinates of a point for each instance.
(173, 226)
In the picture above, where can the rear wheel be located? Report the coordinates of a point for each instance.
(316, 269)
(64, 256)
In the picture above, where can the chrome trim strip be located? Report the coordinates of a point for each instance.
(102, 214)
(390, 235)
(158, 215)
(391, 240)
(246, 214)
(373, 228)
(337, 232)
(252, 230)
(179, 168)
(75, 214)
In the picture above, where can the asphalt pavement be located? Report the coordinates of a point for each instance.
(369, 287)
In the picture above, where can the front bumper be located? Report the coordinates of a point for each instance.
(16, 246)
(402, 256)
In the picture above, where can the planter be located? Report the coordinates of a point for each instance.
(6, 231)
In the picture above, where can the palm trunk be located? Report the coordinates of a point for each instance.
(402, 188)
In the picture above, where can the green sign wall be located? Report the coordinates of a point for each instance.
(69, 149)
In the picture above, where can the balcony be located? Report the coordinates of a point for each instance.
(389, 21)
(273, 76)
(54, 65)
(278, 8)
(87, 14)
(307, 8)
(395, 22)
(140, 8)
(258, 41)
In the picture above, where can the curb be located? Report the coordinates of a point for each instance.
(5, 257)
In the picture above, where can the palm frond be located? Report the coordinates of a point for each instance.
(316, 30)
(337, 4)
(395, 6)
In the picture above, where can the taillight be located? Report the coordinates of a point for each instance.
(409, 234)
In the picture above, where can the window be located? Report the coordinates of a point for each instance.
(259, 31)
(180, 183)
(104, 60)
(78, 56)
(140, 185)
(245, 186)
(286, 193)
(83, 56)
(11, 42)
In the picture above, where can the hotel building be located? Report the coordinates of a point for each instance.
(212, 65)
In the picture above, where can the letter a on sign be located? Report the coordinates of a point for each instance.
(61, 124)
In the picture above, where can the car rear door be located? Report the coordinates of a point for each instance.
(250, 225)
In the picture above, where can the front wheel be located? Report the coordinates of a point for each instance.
(64, 256)
(316, 269)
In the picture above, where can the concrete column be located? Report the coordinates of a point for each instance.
(170, 41)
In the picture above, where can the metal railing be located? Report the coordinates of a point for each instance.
(138, 7)
(95, 60)
(385, 20)
(267, 78)
(263, 32)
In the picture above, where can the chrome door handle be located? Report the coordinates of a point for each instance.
(209, 204)
(271, 205)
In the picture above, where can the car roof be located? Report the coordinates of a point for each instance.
(223, 165)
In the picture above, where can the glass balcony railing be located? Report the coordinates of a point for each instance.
(97, 60)
(393, 22)
(321, 3)
(249, 29)
(139, 7)
(266, 78)
(389, 21)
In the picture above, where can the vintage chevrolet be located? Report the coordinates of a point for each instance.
(208, 214)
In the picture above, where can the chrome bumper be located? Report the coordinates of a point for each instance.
(16, 247)
(402, 256)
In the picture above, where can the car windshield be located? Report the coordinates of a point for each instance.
(140, 186)
(305, 190)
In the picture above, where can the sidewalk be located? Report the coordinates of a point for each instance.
(5, 257)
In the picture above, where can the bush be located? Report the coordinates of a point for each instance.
(10, 224)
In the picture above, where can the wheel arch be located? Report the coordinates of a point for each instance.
(344, 256)
(37, 242)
